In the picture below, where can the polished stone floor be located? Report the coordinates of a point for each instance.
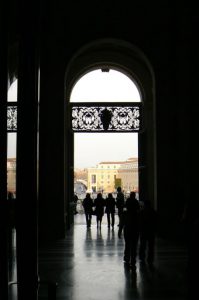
(88, 265)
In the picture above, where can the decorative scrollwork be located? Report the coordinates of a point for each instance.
(86, 118)
(109, 118)
(126, 118)
(11, 118)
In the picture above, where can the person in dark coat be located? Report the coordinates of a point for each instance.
(75, 199)
(110, 204)
(120, 202)
(99, 204)
(148, 228)
(190, 220)
(129, 224)
(88, 208)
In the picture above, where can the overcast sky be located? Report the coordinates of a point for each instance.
(98, 86)
(92, 148)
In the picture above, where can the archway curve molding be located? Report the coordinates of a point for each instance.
(131, 61)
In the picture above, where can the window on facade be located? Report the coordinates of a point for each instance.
(93, 189)
(93, 179)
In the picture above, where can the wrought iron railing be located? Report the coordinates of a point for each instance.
(106, 117)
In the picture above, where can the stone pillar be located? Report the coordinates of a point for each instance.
(70, 176)
(142, 166)
(3, 157)
(52, 179)
(26, 183)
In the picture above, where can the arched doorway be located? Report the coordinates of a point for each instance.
(123, 57)
(105, 156)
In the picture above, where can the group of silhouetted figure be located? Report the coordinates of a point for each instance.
(138, 223)
(98, 207)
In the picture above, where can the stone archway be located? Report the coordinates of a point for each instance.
(126, 58)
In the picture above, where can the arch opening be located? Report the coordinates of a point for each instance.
(109, 159)
(103, 57)
(107, 85)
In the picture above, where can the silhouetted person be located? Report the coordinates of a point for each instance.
(75, 199)
(119, 202)
(110, 210)
(88, 207)
(191, 220)
(148, 229)
(193, 263)
(12, 209)
(99, 204)
(11, 226)
(130, 225)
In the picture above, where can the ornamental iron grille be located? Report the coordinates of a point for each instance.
(11, 118)
(120, 118)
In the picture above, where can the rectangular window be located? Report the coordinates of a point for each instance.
(93, 178)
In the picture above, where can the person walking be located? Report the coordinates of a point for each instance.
(110, 204)
(88, 207)
(148, 229)
(129, 224)
(99, 204)
(75, 199)
(120, 202)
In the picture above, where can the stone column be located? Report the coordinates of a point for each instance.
(3, 157)
(27, 139)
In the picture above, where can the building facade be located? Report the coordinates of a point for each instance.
(11, 175)
(107, 176)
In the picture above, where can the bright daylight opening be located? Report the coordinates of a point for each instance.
(11, 145)
(103, 161)
(107, 86)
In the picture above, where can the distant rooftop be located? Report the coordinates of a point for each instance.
(132, 159)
